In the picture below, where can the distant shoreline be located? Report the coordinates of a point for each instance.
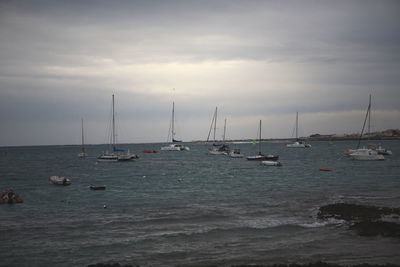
(308, 139)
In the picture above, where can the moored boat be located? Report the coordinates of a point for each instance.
(60, 180)
(235, 153)
(271, 163)
(149, 151)
(298, 143)
(261, 156)
(97, 187)
(115, 154)
(9, 197)
(174, 146)
(366, 154)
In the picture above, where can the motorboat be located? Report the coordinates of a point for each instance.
(271, 163)
(235, 153)
(298, 144)
(175, 147)
(60, 180)
(220, 150)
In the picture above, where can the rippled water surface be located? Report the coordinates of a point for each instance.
(187, 208)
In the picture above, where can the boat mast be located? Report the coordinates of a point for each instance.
(113, 124)
(215, 122)
(259, 142)
(172, 122)
(297, 126)
(365, 120)
(369, 118)
(211, 126)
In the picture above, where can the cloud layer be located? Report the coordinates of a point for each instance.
(61, 61)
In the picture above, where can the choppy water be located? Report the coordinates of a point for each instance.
(187, 208)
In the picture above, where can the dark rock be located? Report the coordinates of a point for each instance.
(365, 220)
(354, 212)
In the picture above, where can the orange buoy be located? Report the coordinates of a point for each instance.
(325, 169)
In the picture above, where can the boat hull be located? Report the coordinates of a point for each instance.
(271, 163)
(298, 145)
(263, 157)
(59, 180)
(175, 147)
(365, 154)
(97, 187)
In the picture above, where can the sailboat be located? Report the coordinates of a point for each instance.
(261, 156)
(217, 149)
(298, 143)
(365, 153)
(115, 154)
(83, 153)
(175, 146)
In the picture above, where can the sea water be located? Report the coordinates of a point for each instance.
(190, 207)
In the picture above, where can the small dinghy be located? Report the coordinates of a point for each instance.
(271, 163)
(150, 151)
(9, 197)
(97, 187)
(60, 180)
(325, 169)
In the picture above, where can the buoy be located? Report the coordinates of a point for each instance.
(104, 206)
(325, 169)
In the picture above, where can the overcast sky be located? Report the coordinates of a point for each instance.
(61, 61)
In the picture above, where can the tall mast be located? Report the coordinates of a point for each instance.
(259, 143)
(369, 117)
(365, 120)
(215, 121)
(297, 125)
(113, 124)
(172, 123)
(211, 126)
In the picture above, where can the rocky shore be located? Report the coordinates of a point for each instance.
(365, 220)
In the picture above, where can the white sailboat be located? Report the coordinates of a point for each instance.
(259, 155)
(175, 146)
(217, 149)
(298, 143)
(83, 153)
(365, 153)
(115, 154)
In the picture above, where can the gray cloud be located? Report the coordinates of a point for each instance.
(62, 60)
